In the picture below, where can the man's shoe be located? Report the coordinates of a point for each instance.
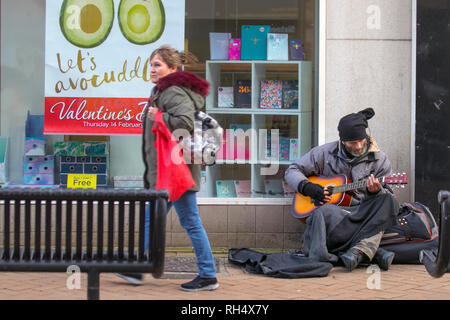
(351, 258)
(134, 278)
(199, 284)
(384, 258)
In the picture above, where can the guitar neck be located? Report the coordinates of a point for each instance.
(352, 186)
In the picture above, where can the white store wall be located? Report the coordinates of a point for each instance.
(368, 63)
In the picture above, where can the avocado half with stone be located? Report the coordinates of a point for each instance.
(142, 21)
(86, 23)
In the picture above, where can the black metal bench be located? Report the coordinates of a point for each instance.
(436, 263)
(63, 243)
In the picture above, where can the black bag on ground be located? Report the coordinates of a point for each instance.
(415, 230)
(279, 264)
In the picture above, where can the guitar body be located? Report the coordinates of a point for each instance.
(303, 206)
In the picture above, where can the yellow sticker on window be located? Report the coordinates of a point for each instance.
(82, 181)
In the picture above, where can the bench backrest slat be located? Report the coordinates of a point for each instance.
(131, 219)
(37, 234)
(6, 234)
(89, 230)
(68, 245)
(58, 231)
(110, 232)
(100, 209)
(48, 230)
(16, 254)
(79, 243)
(141, 230)
(121, 229)
(27, 250)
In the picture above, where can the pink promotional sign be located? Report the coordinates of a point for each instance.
(94, 116)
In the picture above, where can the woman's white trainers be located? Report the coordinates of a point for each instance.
(199, 284)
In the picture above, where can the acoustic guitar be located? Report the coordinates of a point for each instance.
(339, 187)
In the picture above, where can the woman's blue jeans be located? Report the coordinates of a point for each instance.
(188, 214)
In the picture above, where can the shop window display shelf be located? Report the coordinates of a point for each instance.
(294, 123)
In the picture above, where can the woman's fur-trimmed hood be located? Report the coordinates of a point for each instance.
(184, 79)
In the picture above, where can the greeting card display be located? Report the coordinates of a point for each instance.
(293, 149)
(218, 43)
(225, 189)
(271, 94)
(254, 42)
(34, 135)
(277, 46)
(243, 188)
(234, 51)
(296, 49)
(290, 94)
(225, 97)
(243, 93)
(203, 187)
(284, 148)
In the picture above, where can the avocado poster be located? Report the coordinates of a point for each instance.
(97, 62)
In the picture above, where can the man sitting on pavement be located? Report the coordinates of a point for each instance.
(352, 233)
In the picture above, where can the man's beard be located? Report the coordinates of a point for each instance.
(358, 155)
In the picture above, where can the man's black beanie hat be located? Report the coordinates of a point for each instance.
(353, 126)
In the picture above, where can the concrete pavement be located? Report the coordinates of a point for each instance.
(401, 282)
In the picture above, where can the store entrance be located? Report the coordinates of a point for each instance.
(432, 167)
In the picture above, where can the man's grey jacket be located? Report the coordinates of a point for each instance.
(329, 160)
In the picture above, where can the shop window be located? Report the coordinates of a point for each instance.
(265, 104)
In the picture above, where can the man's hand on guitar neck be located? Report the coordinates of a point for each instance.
(373, 185)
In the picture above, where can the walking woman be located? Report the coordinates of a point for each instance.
(177, 94)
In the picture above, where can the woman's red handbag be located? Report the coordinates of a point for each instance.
(173, 173)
